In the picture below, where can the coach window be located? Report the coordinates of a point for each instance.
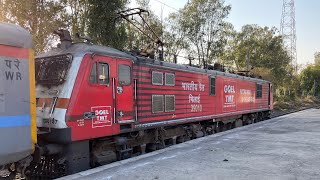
(124, 73)
(99, 73)
(258, 90)
(212, 86)
(157, 78)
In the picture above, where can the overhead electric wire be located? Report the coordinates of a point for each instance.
(167, 5)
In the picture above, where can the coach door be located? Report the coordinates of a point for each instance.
(124, 92)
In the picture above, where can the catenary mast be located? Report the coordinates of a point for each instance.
(288, 30)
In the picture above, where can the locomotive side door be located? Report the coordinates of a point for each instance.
(98, 95)
(124, 92)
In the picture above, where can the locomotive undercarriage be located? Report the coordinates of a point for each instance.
(82, 155)
(15, 170)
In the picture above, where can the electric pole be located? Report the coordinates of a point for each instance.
(288, 30)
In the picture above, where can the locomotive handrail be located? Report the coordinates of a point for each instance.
(135, 99)
(53, 105)
(114, 100)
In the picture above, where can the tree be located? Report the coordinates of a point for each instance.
(203, 23)
(310, 80)
(101, 23)
(2, 11)
(317, 58)
(39, 17)
(174, 39)
(137, 40)
(78, 14)
(262, 49)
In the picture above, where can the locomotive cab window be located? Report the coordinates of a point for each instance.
(52, 70)
(99, 73)
(124, 73)
(258, 90)
(212, 86)
(93, 74)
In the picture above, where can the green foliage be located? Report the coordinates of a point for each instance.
(175, 40)
(137, 40)
(78, 14)
(285, 103)
(310, 80)
(262, 49)
(101, 23)
(40, 17)
(317, 58)
(201, 25)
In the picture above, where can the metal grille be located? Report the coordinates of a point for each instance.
(212, 86)
(52, 70)
(169, 103)
(157, 103)
(157, 78)
(169, 79)
(258, 91)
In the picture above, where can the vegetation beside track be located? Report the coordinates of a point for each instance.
(284, 105)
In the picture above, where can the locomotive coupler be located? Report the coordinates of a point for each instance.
(50, 149)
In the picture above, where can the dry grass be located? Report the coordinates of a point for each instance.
(292, 103)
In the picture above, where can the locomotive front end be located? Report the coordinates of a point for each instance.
(53, 89)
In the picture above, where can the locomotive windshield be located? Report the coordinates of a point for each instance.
(52, 70)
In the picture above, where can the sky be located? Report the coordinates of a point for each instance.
(265, 13)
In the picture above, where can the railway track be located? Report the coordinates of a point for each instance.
(7, 175)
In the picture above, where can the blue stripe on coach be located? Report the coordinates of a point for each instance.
(11, 121)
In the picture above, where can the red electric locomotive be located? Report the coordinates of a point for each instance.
(96, 105)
